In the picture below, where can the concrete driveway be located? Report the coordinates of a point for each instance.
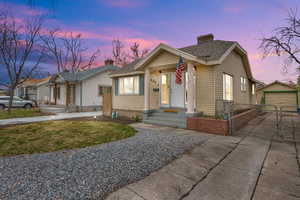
(260, 163)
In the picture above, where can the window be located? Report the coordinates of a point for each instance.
(253, 89)
(227, 87)
(129, 85)
(103, 90)
(243, 84)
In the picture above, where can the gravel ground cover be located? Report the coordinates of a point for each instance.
(93, 172)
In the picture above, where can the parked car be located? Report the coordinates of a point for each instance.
(17, 102)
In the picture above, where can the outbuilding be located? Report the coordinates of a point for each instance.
(279, 94)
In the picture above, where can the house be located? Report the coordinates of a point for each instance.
(216, 70)
(43, 91)
(280, 94)
(81, 90)
(28, 89)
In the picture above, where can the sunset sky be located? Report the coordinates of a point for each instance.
(175, 22)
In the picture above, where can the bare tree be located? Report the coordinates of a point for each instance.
(285, 41)
(68, 51)
(20, 50)
(136, 52)
(121, 57)
(118, 54)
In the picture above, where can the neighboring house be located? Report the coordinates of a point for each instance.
(83, 89)
(279, 94)
(28, 89)
(216, 71)
(43, 91)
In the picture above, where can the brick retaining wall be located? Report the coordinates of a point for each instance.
(220, 127)
(207, 125)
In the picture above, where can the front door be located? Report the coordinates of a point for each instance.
(165, 90)
(172, 94)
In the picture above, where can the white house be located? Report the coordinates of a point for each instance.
(81, 90)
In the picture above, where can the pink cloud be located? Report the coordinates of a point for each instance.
(235, 6)
(123, 3)
(234, 9)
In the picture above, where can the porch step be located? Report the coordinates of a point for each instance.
(168, 115)
(171, 123)
(167, 119)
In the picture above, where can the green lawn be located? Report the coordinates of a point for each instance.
(17, 113)
(58, 135)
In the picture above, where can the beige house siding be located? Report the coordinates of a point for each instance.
(233, 65)
(205, 90)
(163, 59)
(127, 102)
(154, 96)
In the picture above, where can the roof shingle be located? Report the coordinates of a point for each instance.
(83, 75)
(208, 51)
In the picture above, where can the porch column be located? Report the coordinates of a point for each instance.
(146, 90)
(191, 89)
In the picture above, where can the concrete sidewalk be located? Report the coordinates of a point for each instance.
(242, 167)
(58, 116)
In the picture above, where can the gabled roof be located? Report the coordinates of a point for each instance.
(278, 82)
(209, 50)
(128, 68)
(207, 53)
(83, 75)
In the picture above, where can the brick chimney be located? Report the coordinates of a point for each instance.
(205, 38)
(109, 62)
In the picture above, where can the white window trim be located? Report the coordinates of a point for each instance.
(230, 98)
(243, 84)
(253, 89)
(135, 88)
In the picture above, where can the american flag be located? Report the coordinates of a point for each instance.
(179, 69)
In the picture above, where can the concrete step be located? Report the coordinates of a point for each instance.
(168, 115)
(168, 119)
(166, 122)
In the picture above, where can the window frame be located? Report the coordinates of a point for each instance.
(253, 88)
(231, 87)
(135, 89)
(104, 89)
(243, 84)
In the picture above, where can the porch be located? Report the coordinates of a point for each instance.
(165, 101)
(63, 94)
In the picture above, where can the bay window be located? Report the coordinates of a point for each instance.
(227, 87)
(129, 85)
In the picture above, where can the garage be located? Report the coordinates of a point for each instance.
(282, 99)
(279, 94)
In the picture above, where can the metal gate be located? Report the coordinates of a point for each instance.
(230, 111)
